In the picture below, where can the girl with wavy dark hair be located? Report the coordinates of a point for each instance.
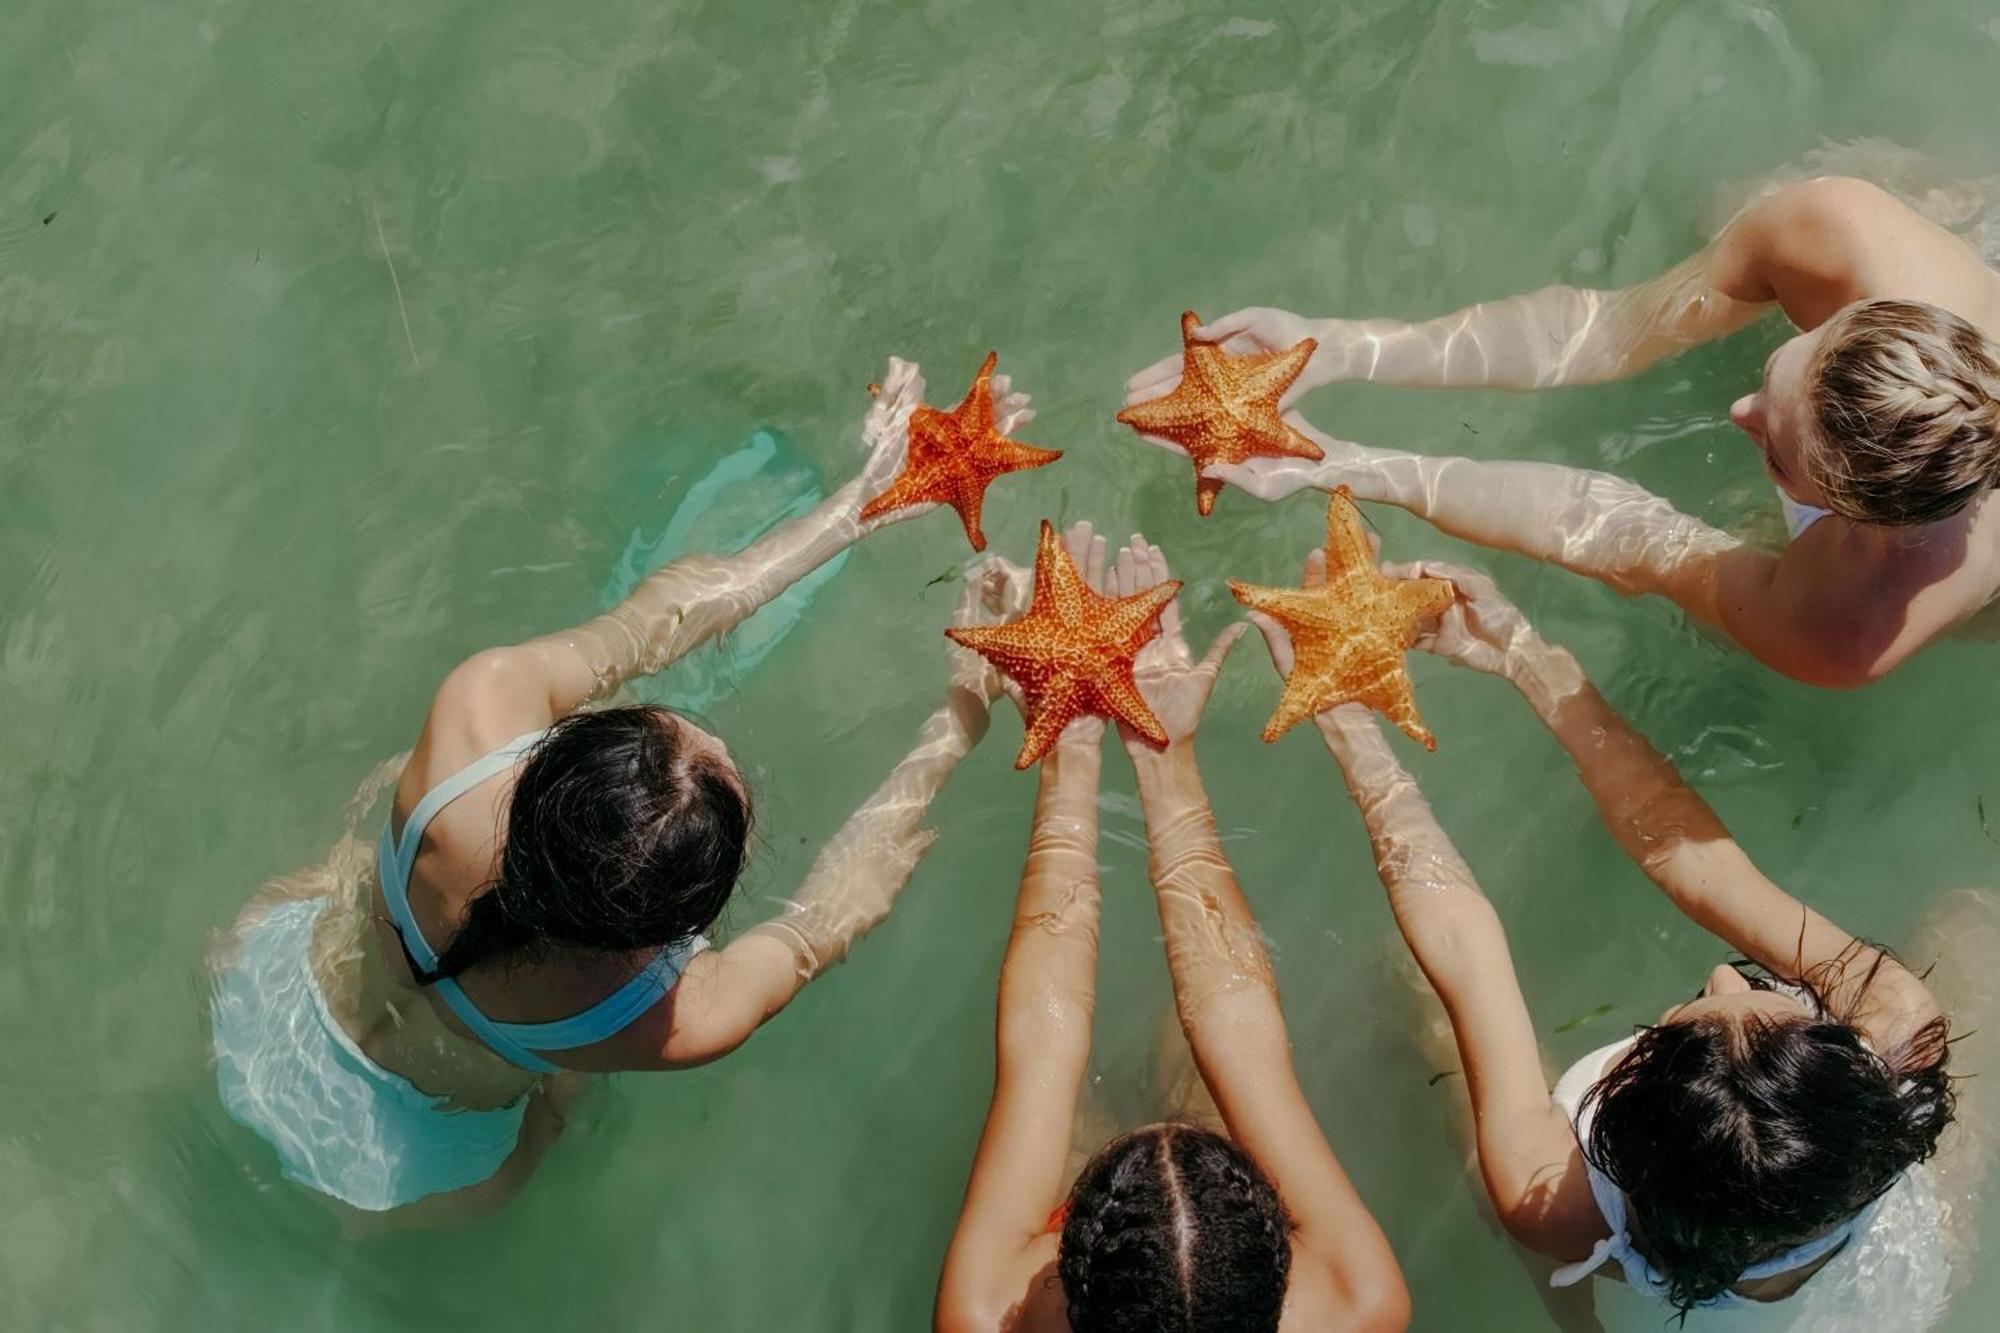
(1763, 1139)
(1238, 1219)
(406, 1023)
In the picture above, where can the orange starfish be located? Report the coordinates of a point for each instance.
(1349, 633)
(1072, 652)
(1225, 409)
(955, 455)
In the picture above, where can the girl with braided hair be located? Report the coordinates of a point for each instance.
(1879, 424)
(1178, 1227)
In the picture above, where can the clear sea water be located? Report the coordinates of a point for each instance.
(258, 492)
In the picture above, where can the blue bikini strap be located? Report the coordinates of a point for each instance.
(511, 1041)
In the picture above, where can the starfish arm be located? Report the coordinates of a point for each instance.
(1348, 554)
(1120, 697)
(911, 488)
(1059, 706)
(1295, 705)
(970, 501)
(1270, 374)
(1128, 620)
(1294, 443)
(1007, 455)
(1394, 699)
(1058, 581)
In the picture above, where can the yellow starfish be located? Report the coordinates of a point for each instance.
(1225, 409)
(955, 455)
(1072, 652)
(1349, 634)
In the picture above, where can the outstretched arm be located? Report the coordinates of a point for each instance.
(505, 691)
(1804, 247)
(1224, 989)
(697, 598)
(728, 993)
(1528, 1155)
(1048, 984)
(1668, 829)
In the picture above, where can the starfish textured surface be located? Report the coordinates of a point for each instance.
(1349, 634)
(1072, 652)
(955, 455)
(1225, 409)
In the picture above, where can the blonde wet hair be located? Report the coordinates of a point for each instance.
(1905, 406)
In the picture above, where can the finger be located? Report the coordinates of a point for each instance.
(1154, 380)
(1155, 566)
(1315, 571)
(1001, 385)
(1276, 641)
(1212, 662)
(1232, 323)
(1126, 579)
(1159, 442)
(1077, 542)
(1098, 549)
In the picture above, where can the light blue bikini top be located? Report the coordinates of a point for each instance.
(514, 1042)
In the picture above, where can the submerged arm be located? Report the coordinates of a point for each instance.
(1227, 998)
(1528, 1155)
(1224, 989)
(1554, 336)
(1048, 983)
(1797, 247)
(857, 876)
(1666, 827)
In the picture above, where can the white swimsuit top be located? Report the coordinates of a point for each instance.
(1611, 1203)
(1799, 517)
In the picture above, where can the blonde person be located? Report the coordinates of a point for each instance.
(1764, 1141)
(1234, 1215)
(1879, 424)
(406, 1023)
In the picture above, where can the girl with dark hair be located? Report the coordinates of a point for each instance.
(1177, 1227)
(407, 1026)
(1764, 1138)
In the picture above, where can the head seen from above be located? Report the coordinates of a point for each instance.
(1887, 414)
(1749, 1121)
(626, 831)
(1173, 1229)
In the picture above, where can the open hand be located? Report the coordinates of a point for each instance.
(1481, 629)
(1173, 684)
(1089, 552)
(886, 430)
(1247, 332)
(995, 591)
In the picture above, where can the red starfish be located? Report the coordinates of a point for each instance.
(955, 455)
(1072, 652)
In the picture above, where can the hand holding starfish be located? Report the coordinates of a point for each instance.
(1173, 683)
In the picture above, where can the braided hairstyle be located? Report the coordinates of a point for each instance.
(1735, 1141)
(619, 838)
(1905, 406)
(1173, 1229)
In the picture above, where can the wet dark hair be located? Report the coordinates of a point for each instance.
(1736, 1140)
(619, 838)
(1173, 1229)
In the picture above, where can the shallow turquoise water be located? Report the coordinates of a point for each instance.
(251, 510)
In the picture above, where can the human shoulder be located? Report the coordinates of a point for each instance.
(988, 1289)
(1806, 245)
